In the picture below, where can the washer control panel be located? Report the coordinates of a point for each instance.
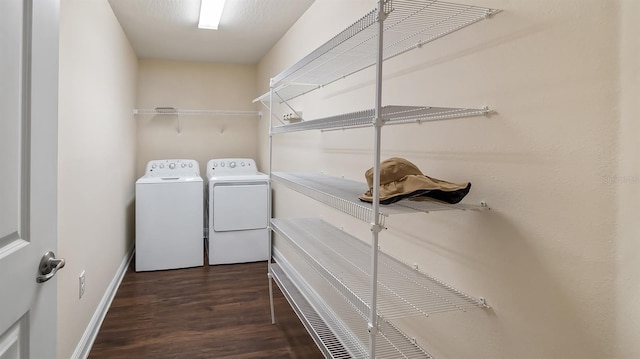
(231, 166)
(172, 167)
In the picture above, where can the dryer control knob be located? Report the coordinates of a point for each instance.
(161, 165)
(242, 164)
(232, 164)
(215, 164)
(172, 165)
(221, 164)
(190, 165)
(153, 165)
(183, 165)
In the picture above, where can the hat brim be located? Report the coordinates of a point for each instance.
(419, 187)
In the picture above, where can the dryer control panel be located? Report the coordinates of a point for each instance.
(231, 166)
(172, 167)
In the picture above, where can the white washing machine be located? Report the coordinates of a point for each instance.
(238, 206)
(169, 213)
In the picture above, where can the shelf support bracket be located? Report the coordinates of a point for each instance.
(274, 116)
(376, 228)
(379, 122)
(483, 302)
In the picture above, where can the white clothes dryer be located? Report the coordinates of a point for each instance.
(238, 206)
(169, 216)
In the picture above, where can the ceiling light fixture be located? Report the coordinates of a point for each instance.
(210, 14)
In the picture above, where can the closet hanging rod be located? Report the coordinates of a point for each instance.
(177, 111)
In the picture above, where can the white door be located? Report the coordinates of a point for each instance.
(28, 175)
(240, 206)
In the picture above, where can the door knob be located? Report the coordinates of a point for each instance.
(49, 266)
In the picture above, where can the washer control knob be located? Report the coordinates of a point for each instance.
(183, 165)
(190, 165)
(232, 164)
(215, 164)
(172, 165)
(242, 164)
(161, 165)
(221, 164)
(153, 165)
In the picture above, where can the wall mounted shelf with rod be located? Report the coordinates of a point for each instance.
(179, 112)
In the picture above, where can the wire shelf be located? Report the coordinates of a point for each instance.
(342, 194)
(335, 192)
(409, 24)
(322, 335)
(348, 335)
(390, 114)
(345, 261)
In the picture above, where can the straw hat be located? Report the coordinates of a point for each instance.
(401, 179)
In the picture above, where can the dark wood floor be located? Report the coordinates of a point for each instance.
(206, 312)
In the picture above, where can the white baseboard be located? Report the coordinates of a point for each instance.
(86, 342)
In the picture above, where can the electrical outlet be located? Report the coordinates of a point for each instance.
(82, 281)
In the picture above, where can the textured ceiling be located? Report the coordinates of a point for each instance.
(168, 29)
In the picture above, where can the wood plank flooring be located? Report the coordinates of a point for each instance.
(206, 312)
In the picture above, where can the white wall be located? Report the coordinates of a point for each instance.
(97, 154)
(626, 180)
(195, 86)
(556, 257)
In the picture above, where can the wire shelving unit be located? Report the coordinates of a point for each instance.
(345, 291)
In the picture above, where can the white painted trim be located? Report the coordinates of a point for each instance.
(86, 342)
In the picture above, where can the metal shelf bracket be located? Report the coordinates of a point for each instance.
(490, 12)
(379, 122)
(377, 228)
(483, 302)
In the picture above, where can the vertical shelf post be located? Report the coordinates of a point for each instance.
(269, 201)
(376, 226)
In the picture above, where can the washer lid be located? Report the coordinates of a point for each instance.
(169, 179)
